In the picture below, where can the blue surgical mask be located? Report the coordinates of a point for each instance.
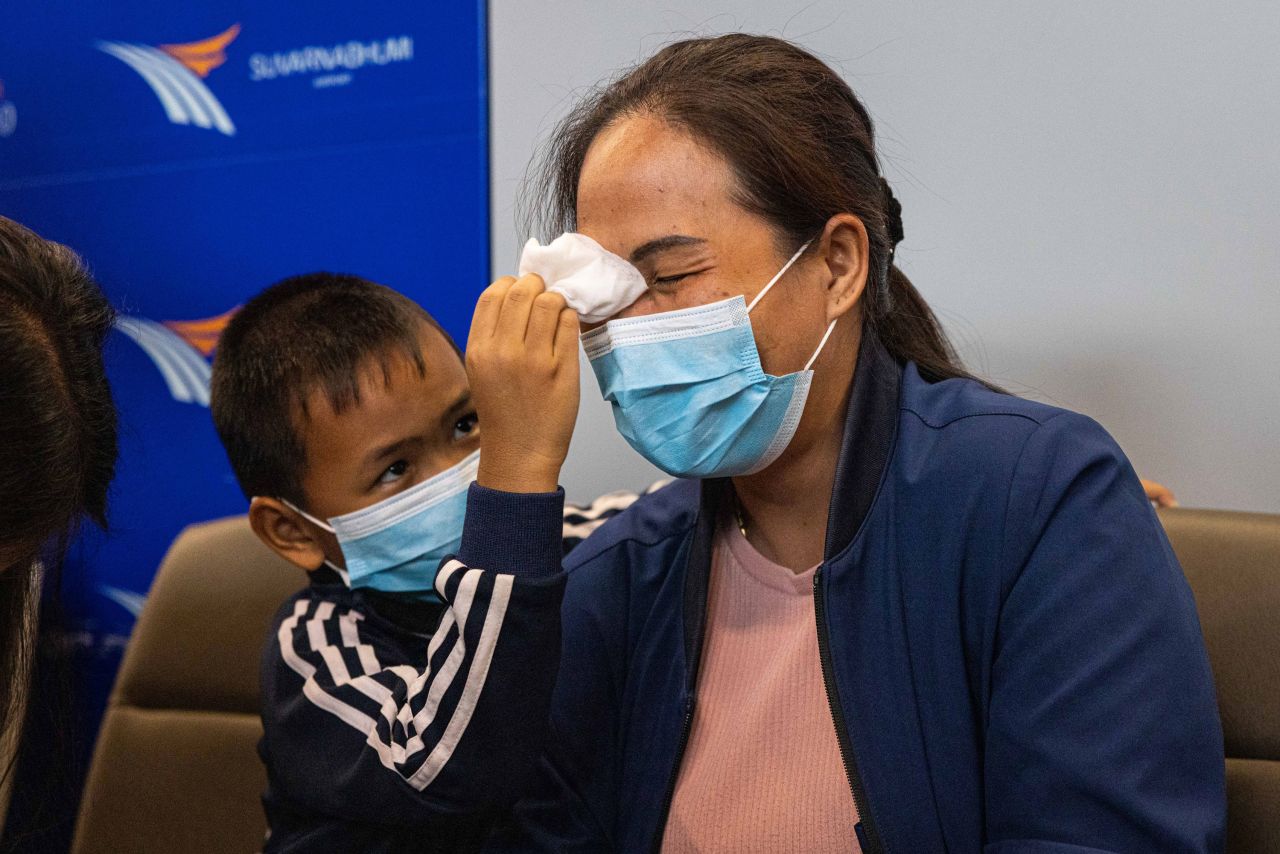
(689, 392)
(396, 545)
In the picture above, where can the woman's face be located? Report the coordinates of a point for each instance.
(652, 194)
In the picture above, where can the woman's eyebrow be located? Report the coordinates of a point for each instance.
(662, 244)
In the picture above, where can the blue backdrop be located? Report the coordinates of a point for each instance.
(195, 153)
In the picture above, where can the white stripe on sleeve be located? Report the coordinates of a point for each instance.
(389, 724)
(476, 677)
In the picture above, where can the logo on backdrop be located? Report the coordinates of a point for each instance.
(181, 351)
(127, 599)
(176, 72)
(8, 114)
(331, 65)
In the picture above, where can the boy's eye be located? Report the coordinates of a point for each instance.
(465, 426)
(394, 472)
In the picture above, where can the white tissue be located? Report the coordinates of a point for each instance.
(596, 283)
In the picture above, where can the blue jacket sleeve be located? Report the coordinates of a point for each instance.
(568, 808)
(516, 533)
(1102, 730)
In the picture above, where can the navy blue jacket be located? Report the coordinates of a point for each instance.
(1011, 652)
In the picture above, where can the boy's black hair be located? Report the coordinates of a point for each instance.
(319, 330)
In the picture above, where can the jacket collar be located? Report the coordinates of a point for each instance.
(870, 424)
(871, 421)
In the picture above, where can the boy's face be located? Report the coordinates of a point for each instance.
(401, 432)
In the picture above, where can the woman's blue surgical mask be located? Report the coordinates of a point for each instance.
(689, 392)
(396, 545)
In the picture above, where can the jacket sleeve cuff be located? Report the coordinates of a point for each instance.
(516, 533)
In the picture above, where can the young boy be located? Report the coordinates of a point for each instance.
(402, 711)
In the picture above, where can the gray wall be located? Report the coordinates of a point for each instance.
(1091, 194)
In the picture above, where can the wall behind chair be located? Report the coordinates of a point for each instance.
(1091, 194)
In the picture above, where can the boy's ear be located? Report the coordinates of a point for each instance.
(286, 533)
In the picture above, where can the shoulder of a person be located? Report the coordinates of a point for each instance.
(663, 516)
(981, 426)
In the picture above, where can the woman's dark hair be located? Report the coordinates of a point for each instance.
(800, 144)
(57, 432)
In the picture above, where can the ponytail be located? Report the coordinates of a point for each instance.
(909, 330)
(898, 314)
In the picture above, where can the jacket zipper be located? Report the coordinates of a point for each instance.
(675, 774)
(869, 839)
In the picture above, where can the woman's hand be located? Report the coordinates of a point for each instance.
(522, 361)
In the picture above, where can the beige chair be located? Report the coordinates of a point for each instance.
(176, 767)
(1233, 563)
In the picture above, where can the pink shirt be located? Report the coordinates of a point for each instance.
(762, 770)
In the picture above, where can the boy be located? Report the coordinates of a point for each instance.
(401, 711)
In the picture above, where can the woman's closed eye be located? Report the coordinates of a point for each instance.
(667, 282)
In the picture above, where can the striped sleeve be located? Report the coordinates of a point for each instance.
(356, 727)
(581, 520)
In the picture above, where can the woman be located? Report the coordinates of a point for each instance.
(893, 608)
(57, 437)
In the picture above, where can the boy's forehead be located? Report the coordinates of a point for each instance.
(434, 343)
(431, 372)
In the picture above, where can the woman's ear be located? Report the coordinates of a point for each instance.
(845, 249)
(286, 533)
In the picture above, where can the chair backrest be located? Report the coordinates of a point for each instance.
(1232, 561)
(176, 767)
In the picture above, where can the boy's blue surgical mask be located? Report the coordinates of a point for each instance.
(396, 545)
(689, 392)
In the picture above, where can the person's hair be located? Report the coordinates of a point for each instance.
(801, 147)
(315, 331)
(57, 432)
